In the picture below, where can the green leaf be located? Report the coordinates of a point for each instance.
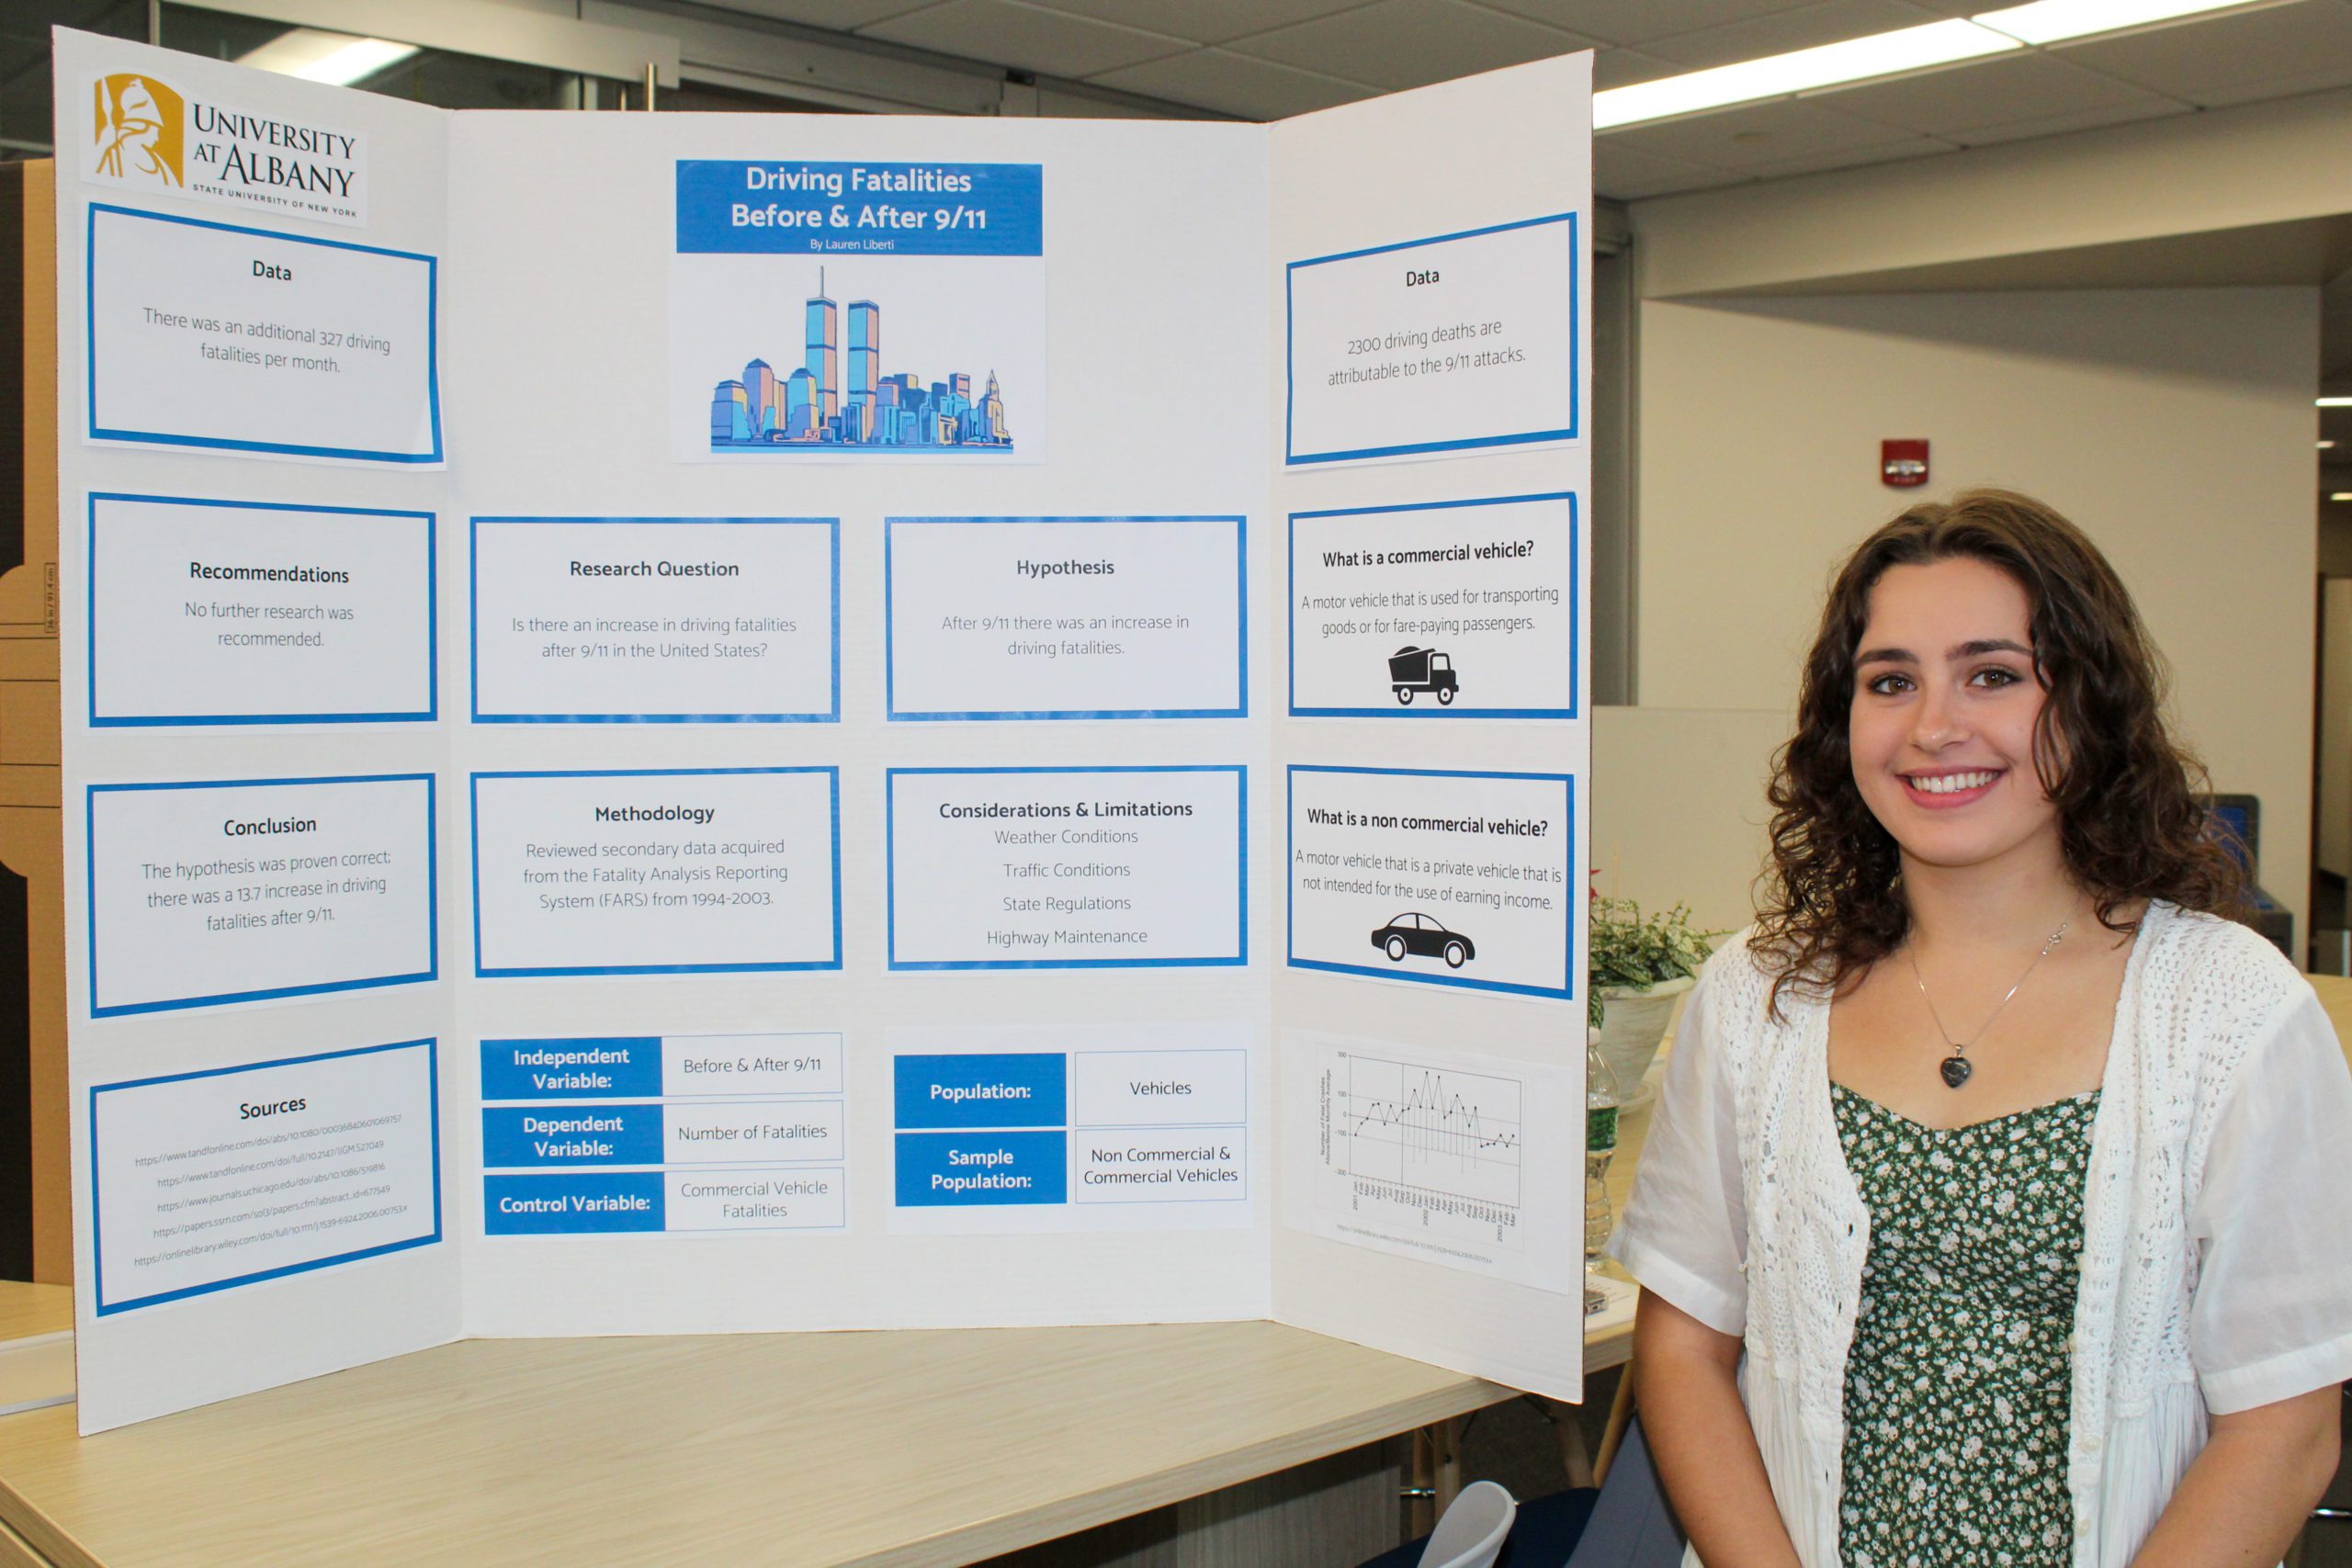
(1629, 949)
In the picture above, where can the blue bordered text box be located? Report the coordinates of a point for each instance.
(1538, 419)
(658, 938)
(978, 878)
(1564, 652)
(681, 688)
(135, 638)
(426, 449)
(167, 1118)
(1059, 661)
(1359, 895)
(156, 901)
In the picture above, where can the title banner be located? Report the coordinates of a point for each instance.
(725, 207)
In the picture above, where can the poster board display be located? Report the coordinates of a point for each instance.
(616, 795)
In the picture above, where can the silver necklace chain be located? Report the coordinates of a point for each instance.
(1956, 1066)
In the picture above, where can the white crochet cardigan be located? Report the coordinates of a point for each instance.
(2217, 1257)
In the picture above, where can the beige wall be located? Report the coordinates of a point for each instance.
(2258, 193)
(2176, 426)
(1677, 806)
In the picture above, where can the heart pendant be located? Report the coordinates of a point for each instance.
(1956, 1070)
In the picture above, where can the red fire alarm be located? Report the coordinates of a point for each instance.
(1902, 462)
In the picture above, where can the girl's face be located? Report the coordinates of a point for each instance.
(1942, 723)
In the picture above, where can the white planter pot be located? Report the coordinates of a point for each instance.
(1632, 1025)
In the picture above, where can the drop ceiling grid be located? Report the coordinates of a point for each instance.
(1267, 58)
(2273, 51)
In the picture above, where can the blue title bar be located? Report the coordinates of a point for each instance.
(570, 1135)
(1019, 1089)
(956, 1170)
(727, 206)
(571, 1204)
(623, 1067)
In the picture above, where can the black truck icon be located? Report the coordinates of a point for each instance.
(1422, 937)
(1414, 669)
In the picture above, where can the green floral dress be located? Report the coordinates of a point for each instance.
(1957, 1381)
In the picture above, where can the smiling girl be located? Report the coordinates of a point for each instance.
(1995, 1211)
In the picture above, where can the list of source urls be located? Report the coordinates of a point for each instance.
(1065, 868)
(694, 871)
(239, 1173)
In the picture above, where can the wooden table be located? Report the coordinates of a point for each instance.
(907, 1448)
(912, 1448)
(2336, 996)
(29, 1310)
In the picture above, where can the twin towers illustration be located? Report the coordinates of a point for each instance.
(813, 407)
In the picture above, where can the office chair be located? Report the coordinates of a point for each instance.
(1624, 1524)
(1630, 1526)
(1471, 1534)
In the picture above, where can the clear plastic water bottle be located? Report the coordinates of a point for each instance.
(1601, 1102)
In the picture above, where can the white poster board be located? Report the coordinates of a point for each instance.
(859, 793)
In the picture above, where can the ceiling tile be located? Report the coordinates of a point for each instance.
(1628, 173)
(1830, 21)
(841, 16)
(1235, 83)
(2059, 125)
(1203, 21)
(1630, 21)
(2233, 59)
(1057, 104)
(1987, 92)
(1005, 32)
(1820, 162)
(1746, 137)
(1410, 43)
(2321, 75)
(1624, 67)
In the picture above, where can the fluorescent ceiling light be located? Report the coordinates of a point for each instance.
(1778, 76)
(2332, 403)
(2054, 21)
(336, 58)
(2327, 446)
(2341, 495)
(1886, 54)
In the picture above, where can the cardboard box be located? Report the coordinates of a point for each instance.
(36, 1195)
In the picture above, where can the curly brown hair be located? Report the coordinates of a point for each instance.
(2132, 814)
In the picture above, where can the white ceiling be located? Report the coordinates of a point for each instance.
(1267, 58)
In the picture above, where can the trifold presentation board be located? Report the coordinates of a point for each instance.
(715, 723)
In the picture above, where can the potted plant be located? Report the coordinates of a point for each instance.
(1637, 966)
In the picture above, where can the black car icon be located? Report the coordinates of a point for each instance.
(1421, 936)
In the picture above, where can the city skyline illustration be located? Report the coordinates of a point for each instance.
(818, 405)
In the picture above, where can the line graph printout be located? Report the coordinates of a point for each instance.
(1461, 1160)
(1434, 1135)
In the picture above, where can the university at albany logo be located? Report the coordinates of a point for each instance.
(140, 130)
(147, 136)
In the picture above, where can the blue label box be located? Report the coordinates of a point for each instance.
(615, 1067)
(945, 1170)
(574, 1204)
(1015, 1090)
(570, 1135)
